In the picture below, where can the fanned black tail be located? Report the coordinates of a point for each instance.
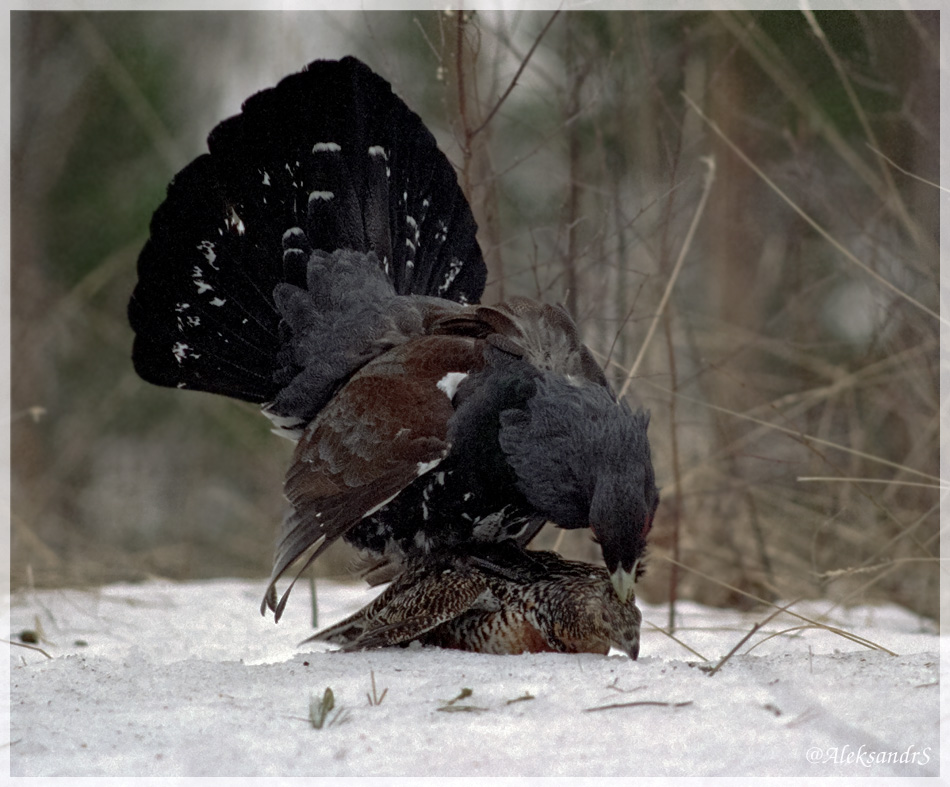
(328, 159)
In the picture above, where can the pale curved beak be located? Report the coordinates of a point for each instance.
(624, 581)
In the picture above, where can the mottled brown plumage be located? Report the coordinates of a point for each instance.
(566, 607)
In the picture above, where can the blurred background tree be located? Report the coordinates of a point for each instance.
(785, 353)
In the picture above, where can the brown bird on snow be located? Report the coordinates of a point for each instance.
(566, 607)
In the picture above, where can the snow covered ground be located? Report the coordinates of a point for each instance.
(166, 679)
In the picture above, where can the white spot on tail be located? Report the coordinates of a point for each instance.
(182, 351)
(454, 267)
(450, 383)
(235, 221)
(206, 247)
(294, 233)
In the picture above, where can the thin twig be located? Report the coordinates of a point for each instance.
(710, 163)
(738, 645)
(514, 80)
(375, 700)
(314, 609)
(745, 639)
(676, 512)
(811, 222)
(637, 704)
(898, 203)
(782, 633)
(798, 433)
(28, 647)
(833, 629)
(941, 485)
(906, 172)
(320, 708)
(677, 640)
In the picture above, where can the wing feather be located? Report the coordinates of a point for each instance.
(414, 604)
(383, 430)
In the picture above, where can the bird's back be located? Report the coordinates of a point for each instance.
(554, 605)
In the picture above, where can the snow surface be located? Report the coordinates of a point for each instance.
(165, 679)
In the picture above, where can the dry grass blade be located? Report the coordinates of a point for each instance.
(638, 704)
(374, 699)
(781, 633)
(882, 572)
(461, 709)
(797, 433)
(853, 570)
(677, 640)
(834, 630)
(28, 647)
(894, 194)
(736, 647)
(773, 61)
(314, 608)
(451, 707)
(514, 79)
(463, 694)
(906, 172)
(320, 708)
(710, 163)
(873, 481)
(745, 639)
(812, 223)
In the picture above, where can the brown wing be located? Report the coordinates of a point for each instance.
(380, 432)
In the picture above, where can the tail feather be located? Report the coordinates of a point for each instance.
(328, 159)
(202, 310)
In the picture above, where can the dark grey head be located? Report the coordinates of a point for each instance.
(583, 459)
